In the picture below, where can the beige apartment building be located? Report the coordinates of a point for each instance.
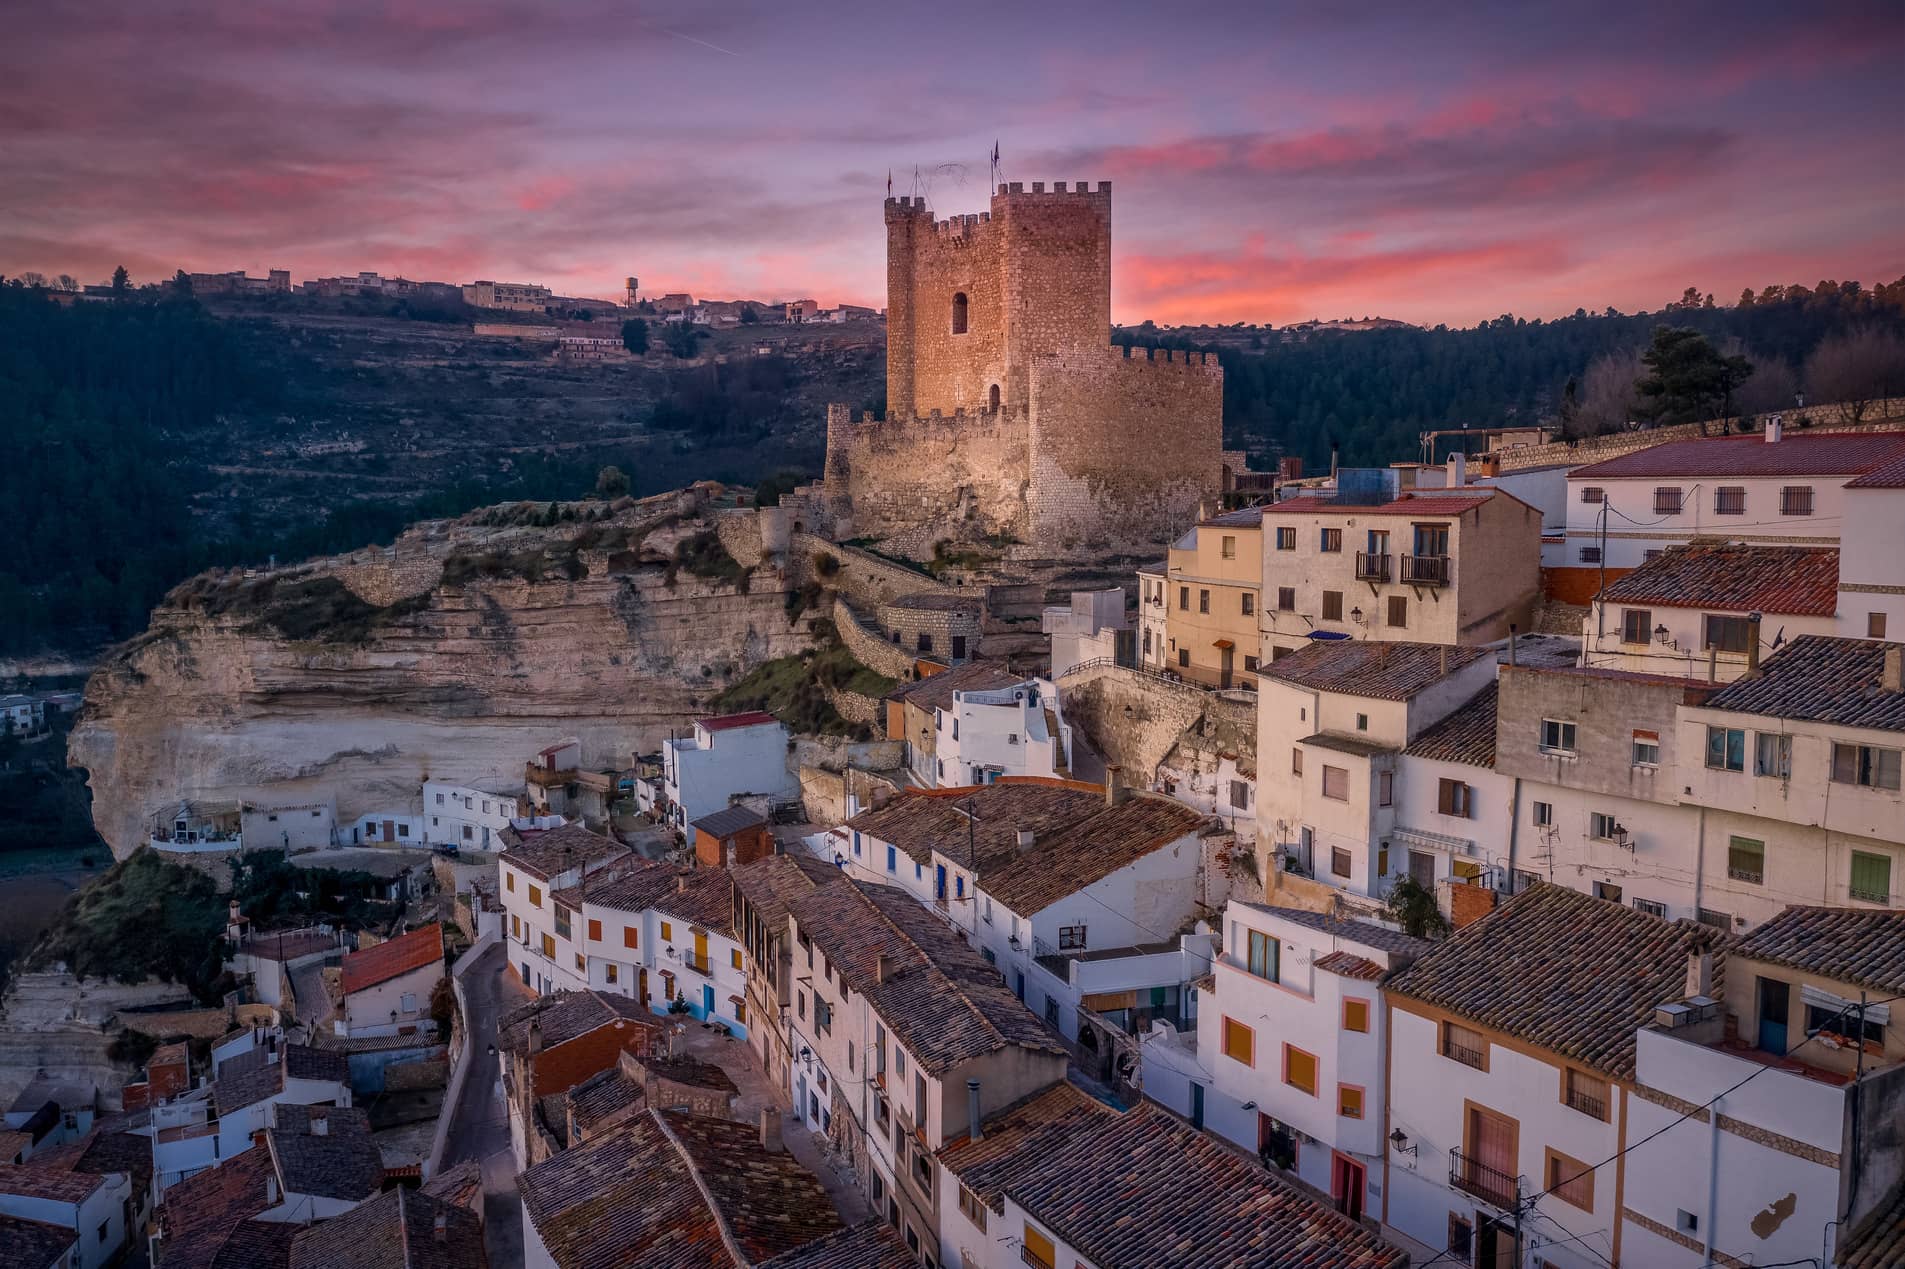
(1441, 566)
(1210, 594)
(522, 297)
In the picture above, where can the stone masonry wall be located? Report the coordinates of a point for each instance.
(867, 647)
(855, 707)
(1123, 447)
(941, 475)
(862, 576)
(1594, 449)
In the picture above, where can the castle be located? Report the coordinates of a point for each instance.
(1010, 415)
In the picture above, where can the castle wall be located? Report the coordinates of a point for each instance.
(1123, 446)
(937, 476)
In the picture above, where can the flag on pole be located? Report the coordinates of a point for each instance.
(889, 182)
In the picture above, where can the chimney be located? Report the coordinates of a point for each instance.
(320, 1125)
(271, 1191)
(1892, 677)
(1334, 449)
(1700, 972)
(972, 1109)
(1115, 791)
(1458, 470)
(1752, 645)
(681, 884)
(770, 1130)
(882, 966)
(440, 1228)
(1513, 638)
(1774, 427)
(535, 1036)
(1442, 661)
(1026, 838)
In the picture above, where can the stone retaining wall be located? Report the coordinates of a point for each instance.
(740, 535)
(863, 576)
(867, 647)
(1885, 416)
(855, 707)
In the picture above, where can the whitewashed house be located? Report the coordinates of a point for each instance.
(724, 758)
(535, 864)
(1088, 629)
(985, 734)
(387, 986)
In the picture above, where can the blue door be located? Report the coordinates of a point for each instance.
(939, 881)
(1197, 1105)
(707, 1001)
(1775, 1000)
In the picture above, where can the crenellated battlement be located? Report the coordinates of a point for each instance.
(1202, 362)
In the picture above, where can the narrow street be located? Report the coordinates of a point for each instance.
(313, 1002)
(480, 1129)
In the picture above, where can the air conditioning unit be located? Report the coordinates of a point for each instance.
(1672, 1017)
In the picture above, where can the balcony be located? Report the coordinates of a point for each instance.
(699, 964)
(1425, 570)
(1030, 1257)
(1471, 1176)
(1588, 1104)
(1372, 568)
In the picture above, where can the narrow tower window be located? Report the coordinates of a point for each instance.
(959, 313)
(993, 399)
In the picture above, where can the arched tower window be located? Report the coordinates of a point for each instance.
(959, 313)
(993, 397)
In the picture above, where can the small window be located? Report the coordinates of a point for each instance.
(1726, 749)
(1385, 788)
(1646, 748)
(992, 397)
(1603, 827)
(1871, 877)
(1228, 547)
(1331, 541)
(1250, 665)
(1239, 795)
(1465, 1045)
(1667, 500)
(1557, 736)
(1349, 1101)
(1299, 1069)
(1590, 555)
(1286, 539)
(630, 936)
(1340, 861)
(1286, 600)
(1265, 955)
(1183, 599)
(1542, 815)
(1037, 1249)
(1398, 612)
(1362, 722)
(595, 930)
(1203, 600)
(925, 642)
(1875, 625)
(1795, 500)
(1452, 798)
(1355, 1015)
(1865, 765)
(1727, 634)
(1336, 783)
(1249, 603)
(1651, 907)
(1637, 625)
(972, 1207)
(1746, 860)
(1772, 755)
(1184, 658)
(581, 963)
(1593, 493)
(1729, 500)
(535, 897)
(1332, 605)
(959, 312)
(734, 958)
(1571, 1181)
(667, 931)
(1296, 761)
(1240, 1042)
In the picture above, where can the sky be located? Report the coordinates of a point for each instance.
(1269, 162)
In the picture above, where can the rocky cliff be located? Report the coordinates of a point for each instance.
(456, 653)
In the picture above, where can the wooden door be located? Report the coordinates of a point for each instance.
(390, 830)
(701, 952)
(1775, 1007)
(1349, 1181)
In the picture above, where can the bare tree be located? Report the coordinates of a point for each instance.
(1854, 369)
(67, 282)
(1607, 401)
(1773, 385)
(31, 279)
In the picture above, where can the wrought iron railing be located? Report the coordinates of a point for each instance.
(1490, 1184)
(1426, 570)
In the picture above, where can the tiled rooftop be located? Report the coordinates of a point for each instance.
(1823, 679)
(1795, 454)
(1018, 1140)
(631, 1198)
(1886, 475)
(1878, 1241)
(728, 722)
(1241, 518)
(1085, 852)
(1466, 736)
(567, 1014)
(28, 1244)
(395, 1230)
(975, 827)
(1086, 1184)
(201, 1212)
(732, 820)
(935, 691)
(34, 1179)
(873, 1245)
(605, 1097)
(394, 957)
(340, 1162)
(551, 851)
(1350, 965)
(772, 883)
(1561, 970)
(939, 997)
(1356, 667)
(1861, 946)
(103, 1150)
(1438, 502)
(699, 896)
(1366, 933)
(1792, 580)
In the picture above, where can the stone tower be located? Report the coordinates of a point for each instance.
(972, 301)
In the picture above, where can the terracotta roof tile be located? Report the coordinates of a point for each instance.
(1466, 736)
(1878, 1241)
(1799, 581)
(977, 828)
(1147, 1161)
(394, 957)
(700, 896)
(1821, 679)
(395, 1230)
(1438, 502)
(26, 1244)
(935, 691)
(1861, 946)
(340, 1162)
(1796, 454)
(544, 854)
(1086, 851)
(34, 1179)
(255, 1244)
(633, 1199)
(1352, 930)
(772, 883)
(938, 997)
(728, 822)
(1385, 671)
(604, 1098)
(1350, 965)
(1017, 1141)
(728, 722)
(564, 1015)
(873, 1245)
(1886, 475)
(1562, 970)
(200, 1213)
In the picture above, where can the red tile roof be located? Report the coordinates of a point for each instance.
(30, 1180)
(1443, 502)
(1383, 670)
(1797, 581)
(1807, 454)
(393, 958)
(1350, 965)
(1887, 475)
(727, 722)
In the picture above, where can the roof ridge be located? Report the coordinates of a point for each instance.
(728, 1240)
(933, 966)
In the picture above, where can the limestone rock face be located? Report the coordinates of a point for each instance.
(455, 654)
